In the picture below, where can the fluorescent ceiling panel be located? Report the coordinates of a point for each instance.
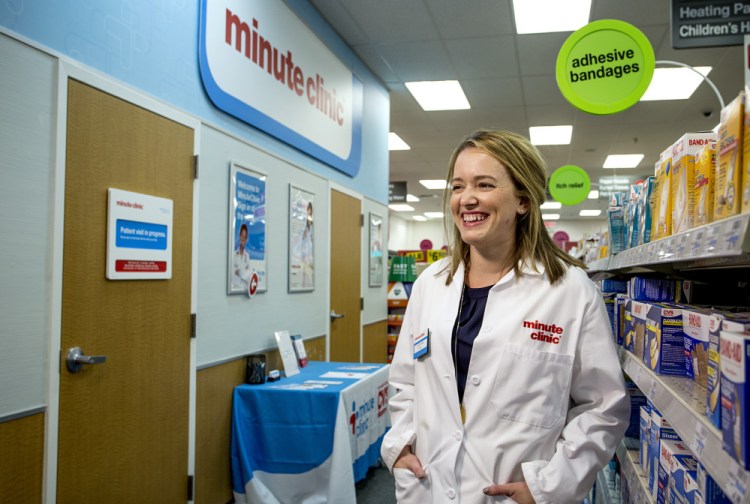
(434, 215)
(410, 198)
(396, 143)
(551, 205)
(551, 135)
(439, 95)
(590, 213)
(401, 207)
(674, 83)
(622, 160)
(592, 195)
(420, 218)
(434, 184)
(551, 216)
(543, 16)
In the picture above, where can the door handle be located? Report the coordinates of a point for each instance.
(76, 359)
(335, 315)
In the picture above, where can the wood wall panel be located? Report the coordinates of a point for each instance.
(22, 459)
(213, 480)
(375, 345)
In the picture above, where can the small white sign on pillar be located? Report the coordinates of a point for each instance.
(139, 236)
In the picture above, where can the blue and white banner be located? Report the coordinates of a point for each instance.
(263, 65)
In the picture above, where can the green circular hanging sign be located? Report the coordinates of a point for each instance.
(570, 185)
(605, 67)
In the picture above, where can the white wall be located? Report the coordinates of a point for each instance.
(27, 114)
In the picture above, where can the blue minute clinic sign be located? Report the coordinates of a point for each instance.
(262, 65)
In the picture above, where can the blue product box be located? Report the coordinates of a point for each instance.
(609, 304)
(684, 479)
(696, 324)
(645, 425)
(659, 430)
(709, 491)
(670, 451)
(637, 400)
(612, 286)
(713, 373)
(651, 289)
(734, 396)
(619, 326)
(616, 223)
(664, 345)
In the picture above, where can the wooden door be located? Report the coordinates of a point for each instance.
(123, 431)
(346, 252)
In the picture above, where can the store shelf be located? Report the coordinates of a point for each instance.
(725, 243)
(683, 402)
(634, 474)
(604, 492)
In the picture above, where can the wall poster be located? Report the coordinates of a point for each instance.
(376, 250)
(246, 272)
(301, 240)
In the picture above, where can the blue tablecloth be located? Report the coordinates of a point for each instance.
(326, 422)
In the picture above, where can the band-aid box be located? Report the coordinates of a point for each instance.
(728, 188)
(696, 324)
(734, 395)
(670, 451)
(659, 430)
(703, 185)
(664, 345)
(682, 180)
(664, 210)
(713, 373)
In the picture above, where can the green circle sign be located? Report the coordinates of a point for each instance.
(570, 185)
(605, 67)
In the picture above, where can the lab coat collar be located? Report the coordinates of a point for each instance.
(525, 268)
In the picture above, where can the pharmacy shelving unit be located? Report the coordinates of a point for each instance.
(634, 474)
(716, 246)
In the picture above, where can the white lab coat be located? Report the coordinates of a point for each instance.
(546, 413)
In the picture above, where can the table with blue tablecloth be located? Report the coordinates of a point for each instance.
(310, 437)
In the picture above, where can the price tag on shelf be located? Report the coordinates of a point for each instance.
(652, 252)
(696, 243)
(736, 484)
(732, 232)
(652, 389)
(711, 240)
(698, 443)
(681, 248)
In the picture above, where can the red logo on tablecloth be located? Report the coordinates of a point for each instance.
(383, 399)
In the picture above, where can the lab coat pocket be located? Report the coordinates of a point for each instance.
(531, 385)
(409, 488)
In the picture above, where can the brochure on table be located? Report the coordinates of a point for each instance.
(288, 356)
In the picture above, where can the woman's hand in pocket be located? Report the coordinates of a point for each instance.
(407, 460)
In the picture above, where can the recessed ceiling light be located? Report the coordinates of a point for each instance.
(434, 215)
(401, 207)
(551, 205)
(434, 184)
(550, 135)
(410, 198)
(396, 143)
(590, 213)
(674, 83)
(622, 160)
(439, 95)
(542, 16)
(592, 195)
(420, 218)
(551, 216)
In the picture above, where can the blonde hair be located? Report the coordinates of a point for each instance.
(528, 172)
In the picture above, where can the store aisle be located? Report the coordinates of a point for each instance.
(377, 487)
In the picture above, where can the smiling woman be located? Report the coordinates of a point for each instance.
(521, 393)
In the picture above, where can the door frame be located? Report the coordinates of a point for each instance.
(67, 69)
(334, 186)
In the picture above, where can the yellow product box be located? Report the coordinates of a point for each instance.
(703, 185)
(682, 180)
(653, 201)
(727, 193)
(746, 157)
(664, 210)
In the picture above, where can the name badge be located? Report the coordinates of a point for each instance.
(422, 345)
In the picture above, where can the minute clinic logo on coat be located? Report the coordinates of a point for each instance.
(544, 332)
